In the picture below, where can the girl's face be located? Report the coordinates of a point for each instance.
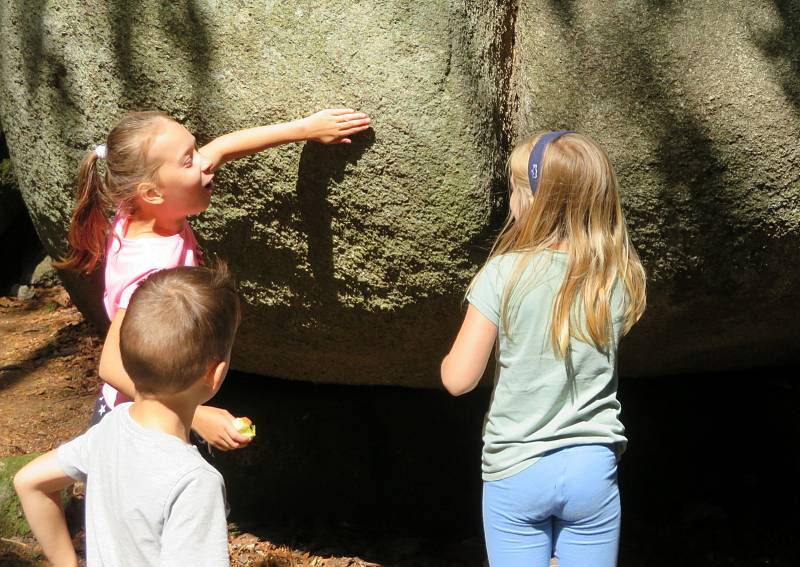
(185, 181)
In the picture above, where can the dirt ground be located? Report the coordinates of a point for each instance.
(48, 383)
(48, 360)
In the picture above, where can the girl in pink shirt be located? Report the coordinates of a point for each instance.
(155, 176)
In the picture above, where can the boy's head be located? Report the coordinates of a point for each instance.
(180, 323)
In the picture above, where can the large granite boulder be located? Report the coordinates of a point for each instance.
(353, 260)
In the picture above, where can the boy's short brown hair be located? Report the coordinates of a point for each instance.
(179, 322)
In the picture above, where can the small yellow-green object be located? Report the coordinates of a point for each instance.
(244, 426)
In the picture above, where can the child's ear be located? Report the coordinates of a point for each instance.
(216, 374)
(149, 193)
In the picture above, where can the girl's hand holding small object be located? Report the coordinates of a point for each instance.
(244, 426)
(335, 125)
(216, 426)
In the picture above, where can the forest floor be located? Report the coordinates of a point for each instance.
(48, 383)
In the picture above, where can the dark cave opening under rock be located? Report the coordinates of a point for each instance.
(706, 478)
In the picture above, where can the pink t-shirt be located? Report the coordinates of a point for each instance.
(130, 261)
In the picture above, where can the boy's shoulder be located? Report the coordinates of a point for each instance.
(166, 468)
(168, 456)
(198, 479)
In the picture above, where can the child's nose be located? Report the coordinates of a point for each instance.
(205, 164)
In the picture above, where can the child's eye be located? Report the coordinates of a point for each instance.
(188, 162)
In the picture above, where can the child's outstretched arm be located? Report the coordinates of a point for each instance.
(39, 485)
(463, 367)
(215, 425)
(329, 126)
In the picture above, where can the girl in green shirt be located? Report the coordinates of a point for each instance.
(561, 286)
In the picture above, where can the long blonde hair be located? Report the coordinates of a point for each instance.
(576, 207)
(98, 195)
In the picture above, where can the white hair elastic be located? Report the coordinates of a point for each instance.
(100, 151)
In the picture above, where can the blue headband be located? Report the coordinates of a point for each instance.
(535, 160)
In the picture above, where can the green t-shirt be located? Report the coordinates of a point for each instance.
(538, 404)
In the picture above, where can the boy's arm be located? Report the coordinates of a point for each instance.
(39, 485)
(196, 530)
(327, 126)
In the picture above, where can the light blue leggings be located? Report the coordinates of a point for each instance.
(566, 504)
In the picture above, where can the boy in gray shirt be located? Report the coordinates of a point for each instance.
(151, 499)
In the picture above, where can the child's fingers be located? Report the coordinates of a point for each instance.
(219, 445)
(340, 111)
(355, 116)
(352, 130)
(226, 442)
(226, 439)
(239, 438)
(244, 442)
(355, 123)
(231, 444)
(236, 439)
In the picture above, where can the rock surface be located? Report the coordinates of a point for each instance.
(698, 106)
(44, 274)
(353, 260)
(11, 205)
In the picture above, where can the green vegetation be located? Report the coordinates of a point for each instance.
(12, 522)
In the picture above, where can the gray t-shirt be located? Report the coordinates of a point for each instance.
(151, 499)
(538, 405)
